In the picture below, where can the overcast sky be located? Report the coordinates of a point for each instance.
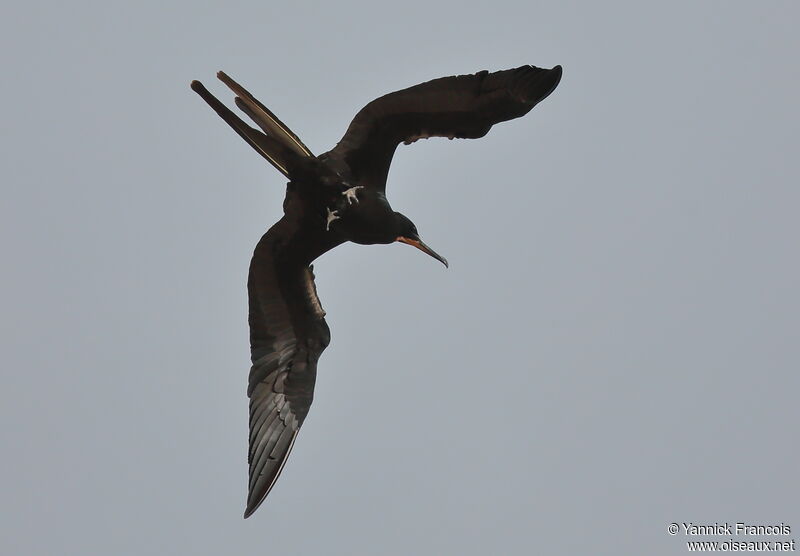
(613, 348)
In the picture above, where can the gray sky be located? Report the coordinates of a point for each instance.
(614, 347)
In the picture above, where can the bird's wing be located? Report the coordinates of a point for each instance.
(287, 335)
(464, 106)
(274, 149)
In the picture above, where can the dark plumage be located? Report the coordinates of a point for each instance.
(332, 198)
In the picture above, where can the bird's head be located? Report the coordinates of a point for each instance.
(406, 232)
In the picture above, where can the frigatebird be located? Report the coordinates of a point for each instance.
(332, 198)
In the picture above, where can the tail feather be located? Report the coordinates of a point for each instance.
(265, 119)
(270, 148)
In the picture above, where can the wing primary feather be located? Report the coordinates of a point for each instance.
(281, 444)
(255, 500)
(266, 416)
(260, 459)
(263, 427)
(258, 414)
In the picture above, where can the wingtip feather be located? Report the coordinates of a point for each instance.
(256, 497)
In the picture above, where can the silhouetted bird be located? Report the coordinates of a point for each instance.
(335, 197)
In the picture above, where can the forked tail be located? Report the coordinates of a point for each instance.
(277, 143)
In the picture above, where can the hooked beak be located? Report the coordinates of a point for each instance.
(419, 244)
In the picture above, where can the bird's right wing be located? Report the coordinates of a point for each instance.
(287, 335)
(463, 106)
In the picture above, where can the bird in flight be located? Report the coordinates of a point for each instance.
(332, 198)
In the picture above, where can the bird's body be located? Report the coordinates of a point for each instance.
(336, 197)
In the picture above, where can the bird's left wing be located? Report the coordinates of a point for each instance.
(287, 335)
(463, 106)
